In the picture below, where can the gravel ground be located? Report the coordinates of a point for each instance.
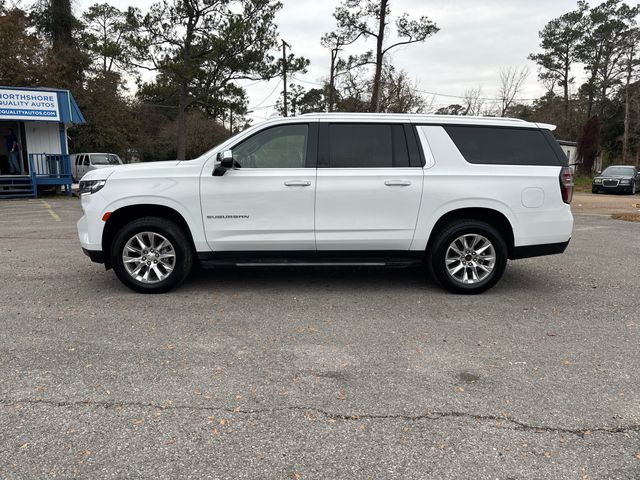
(317, 373)
(605, 204)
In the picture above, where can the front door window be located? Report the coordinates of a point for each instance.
(277, 147)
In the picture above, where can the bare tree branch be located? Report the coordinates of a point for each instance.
(511, 81)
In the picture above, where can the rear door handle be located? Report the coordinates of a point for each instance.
(297, 183)
(397, 183)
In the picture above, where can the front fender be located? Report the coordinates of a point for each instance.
(189, 211)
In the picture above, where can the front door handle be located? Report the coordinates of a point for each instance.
(297, 183)
(397, 183)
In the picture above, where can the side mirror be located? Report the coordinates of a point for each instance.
(598, 172)
(226, 159)
(226, 162)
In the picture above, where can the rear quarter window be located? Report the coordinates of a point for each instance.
(504, 146)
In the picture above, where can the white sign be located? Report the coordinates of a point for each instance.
(28, 105)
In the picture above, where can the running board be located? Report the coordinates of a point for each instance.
(313, 264)
(306, 259)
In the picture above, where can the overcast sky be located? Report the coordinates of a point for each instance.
(476, 39)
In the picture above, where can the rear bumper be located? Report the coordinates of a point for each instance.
(528, 251)
(96, 256)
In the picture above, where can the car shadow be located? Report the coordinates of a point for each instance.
(519, 278)
(305, 278)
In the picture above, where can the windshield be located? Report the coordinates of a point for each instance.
(618, 171)
(103, 159)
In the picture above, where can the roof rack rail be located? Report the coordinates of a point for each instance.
(496, 119)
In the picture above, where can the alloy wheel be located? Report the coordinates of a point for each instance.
(149, 257)
(470, 259)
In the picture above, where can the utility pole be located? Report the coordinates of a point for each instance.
(230, 122)
(284, 73)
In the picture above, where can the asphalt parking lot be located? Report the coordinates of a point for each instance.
(317, 373)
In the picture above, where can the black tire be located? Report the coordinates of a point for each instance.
(183, 261)
(446, 236)
(594, 190)
(633, 189)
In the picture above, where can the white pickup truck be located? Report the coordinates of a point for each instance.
(460, 195)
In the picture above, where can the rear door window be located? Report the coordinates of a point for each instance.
(503, 145)
(367, 145)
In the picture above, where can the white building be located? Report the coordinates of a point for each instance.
(571, 151)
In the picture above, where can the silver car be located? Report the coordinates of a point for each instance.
(81, 163)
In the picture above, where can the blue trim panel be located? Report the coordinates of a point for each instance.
(63, 140)
(69, 110)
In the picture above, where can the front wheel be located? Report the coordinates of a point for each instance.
(151, 255)
(468, 256)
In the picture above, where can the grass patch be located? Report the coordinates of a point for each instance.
(582, 183)
(582, 180)
(627, 217)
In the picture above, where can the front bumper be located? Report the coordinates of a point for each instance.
(617, 189)
(90, 226)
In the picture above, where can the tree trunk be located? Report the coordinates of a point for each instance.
(589, 145)
(627, 113)
(182, 122)
(183, 100)
(590, 102)
(603, 98)
(566, 96)
(332, 79)
(375, 94)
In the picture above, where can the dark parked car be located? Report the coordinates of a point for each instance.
(617, 179)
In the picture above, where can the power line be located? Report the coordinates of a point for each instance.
(252, 83)
(267, 97)
(264, 107)
(306, 81)
(488, 99)
(437, 94)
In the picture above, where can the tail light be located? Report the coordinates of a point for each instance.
(566, 184)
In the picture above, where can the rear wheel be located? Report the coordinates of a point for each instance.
(151, 255)
(468, 256)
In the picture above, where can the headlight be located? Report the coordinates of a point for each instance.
(597, 180)
(626, 181)
(91, 186)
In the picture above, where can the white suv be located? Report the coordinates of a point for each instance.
(458, 194)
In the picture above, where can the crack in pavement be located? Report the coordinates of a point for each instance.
(430, 415)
